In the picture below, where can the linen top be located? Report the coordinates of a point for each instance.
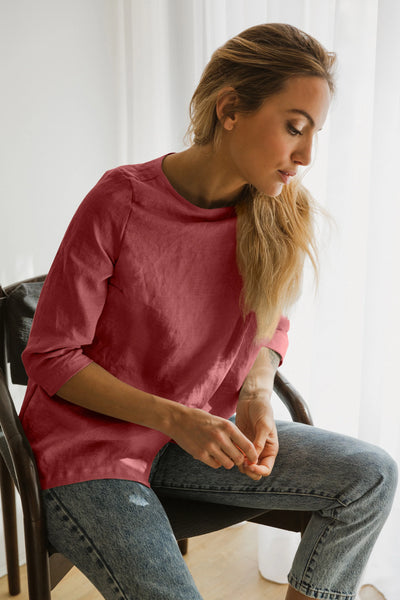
(146, 285)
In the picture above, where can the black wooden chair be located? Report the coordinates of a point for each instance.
(45, 566)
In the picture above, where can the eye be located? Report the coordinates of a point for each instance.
(292, 130)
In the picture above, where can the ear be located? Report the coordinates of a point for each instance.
(227, 101)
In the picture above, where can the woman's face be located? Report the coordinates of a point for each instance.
(265, 148)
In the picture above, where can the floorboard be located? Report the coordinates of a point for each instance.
(223, 565)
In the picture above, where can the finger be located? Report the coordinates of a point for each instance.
(267, 462)
(223, 459)
(259, 470)
(263, 432)
(210, 461)
(245, 446)
(240, 457)
(219, 457)
(252, 475)
(230, 454)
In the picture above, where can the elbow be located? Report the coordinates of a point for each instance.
(26, 358)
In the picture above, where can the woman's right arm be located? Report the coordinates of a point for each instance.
(208, 438)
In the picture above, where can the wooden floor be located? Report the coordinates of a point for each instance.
(223, 564)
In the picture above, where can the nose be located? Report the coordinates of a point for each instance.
(303, 153)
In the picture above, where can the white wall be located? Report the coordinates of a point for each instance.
(58, 115)
(59, 123)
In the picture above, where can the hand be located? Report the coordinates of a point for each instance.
(254, 417)
(213, 440)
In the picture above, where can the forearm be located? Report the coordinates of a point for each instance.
(254, 414)
(260, 381)
(98, 390)
(209, 438)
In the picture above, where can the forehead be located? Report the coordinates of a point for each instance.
(303, 98)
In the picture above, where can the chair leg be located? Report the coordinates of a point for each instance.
(183, 546)
(59, 567)
(37, 561)
(10, 529)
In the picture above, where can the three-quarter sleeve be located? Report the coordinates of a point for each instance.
(75, 289)
(280, 340)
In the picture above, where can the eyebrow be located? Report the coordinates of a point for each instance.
(304, 113)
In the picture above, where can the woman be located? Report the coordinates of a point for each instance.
(161, 317)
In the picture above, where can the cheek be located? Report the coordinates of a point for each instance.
(278, 147)
(271, 145)
(259, 149)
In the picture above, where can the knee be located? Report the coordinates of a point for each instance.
(379, 472)
(390, 475)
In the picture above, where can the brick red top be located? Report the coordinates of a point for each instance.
(146, 285)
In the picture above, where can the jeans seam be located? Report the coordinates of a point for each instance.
(321, 594)
(87, 539)
(252, 491)
(308, 570)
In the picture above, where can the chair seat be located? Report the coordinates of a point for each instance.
(190, 518)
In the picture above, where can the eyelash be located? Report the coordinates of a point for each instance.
(292, 130)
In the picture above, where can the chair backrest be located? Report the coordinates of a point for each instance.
(17, 307)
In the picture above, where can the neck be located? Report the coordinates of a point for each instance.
(202, 176)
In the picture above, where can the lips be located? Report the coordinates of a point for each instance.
(286, 175)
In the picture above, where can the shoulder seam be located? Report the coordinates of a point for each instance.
(125, 226)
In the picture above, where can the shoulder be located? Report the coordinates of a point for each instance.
(109, 204)
(136, 173)
(121, 183)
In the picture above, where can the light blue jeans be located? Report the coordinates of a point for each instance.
(116, 532)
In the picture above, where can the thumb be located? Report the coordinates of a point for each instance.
(260, 438)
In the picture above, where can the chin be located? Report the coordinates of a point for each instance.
(273, 189)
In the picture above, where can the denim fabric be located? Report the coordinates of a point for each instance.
(117, 533)
(348, 484)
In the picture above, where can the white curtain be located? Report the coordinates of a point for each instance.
(344, 339)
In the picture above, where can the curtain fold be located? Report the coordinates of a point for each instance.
(344, 339)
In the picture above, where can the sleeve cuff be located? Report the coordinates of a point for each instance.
(280, 340)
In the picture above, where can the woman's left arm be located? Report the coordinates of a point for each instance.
(254, 415)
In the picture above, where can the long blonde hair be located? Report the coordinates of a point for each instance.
(274, 233)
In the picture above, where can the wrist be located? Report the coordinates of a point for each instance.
(168, 415)
(259, 396)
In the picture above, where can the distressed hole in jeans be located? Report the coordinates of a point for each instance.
(138, 500)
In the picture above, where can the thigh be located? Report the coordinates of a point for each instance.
(315, 469)
(117, 533)
(347, 484)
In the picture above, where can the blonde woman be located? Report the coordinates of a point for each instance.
(163, 315)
